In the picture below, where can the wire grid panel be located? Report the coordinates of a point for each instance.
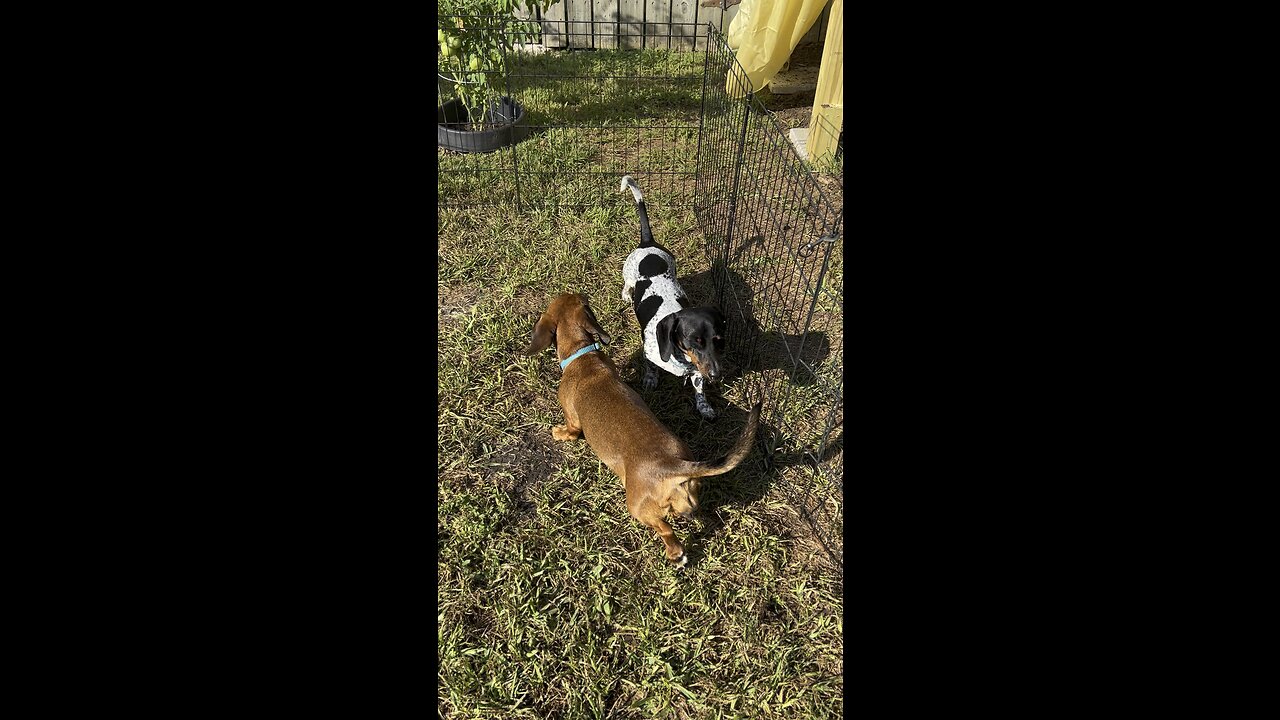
(631, 24)
(591, 117)
(774, 241)
(773, 238)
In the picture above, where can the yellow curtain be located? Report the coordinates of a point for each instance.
(771, 31)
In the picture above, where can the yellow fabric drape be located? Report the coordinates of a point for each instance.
(773, 29)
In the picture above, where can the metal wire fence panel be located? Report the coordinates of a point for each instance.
(630, 24)
(774, 241)
(588, 118)
(684, 123)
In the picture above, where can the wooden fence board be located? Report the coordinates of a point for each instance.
(579, 14)
(683, 11)
(631, 29)
(657, 29)
(606, 27)
(718, 18)
(632, 24)
(553, 26)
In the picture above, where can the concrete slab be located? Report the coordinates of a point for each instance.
(799, 138)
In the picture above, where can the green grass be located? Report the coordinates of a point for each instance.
(553, 601)
(609, 112)
(608, 85)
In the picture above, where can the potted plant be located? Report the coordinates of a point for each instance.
(476, 38)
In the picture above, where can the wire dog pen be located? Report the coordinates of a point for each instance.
(612, 130)
(773, 236)
(773, 240)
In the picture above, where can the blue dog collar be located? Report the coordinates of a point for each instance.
(565, 363)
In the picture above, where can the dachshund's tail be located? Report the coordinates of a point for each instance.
(735, 456)
(646, 235)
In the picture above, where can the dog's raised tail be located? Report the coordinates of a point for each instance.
(646, 235)
(735, 456)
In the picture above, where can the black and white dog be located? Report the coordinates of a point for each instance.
(684, 341)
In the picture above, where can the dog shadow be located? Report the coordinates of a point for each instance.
(749, 347)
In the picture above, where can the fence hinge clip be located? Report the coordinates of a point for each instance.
(809, 247)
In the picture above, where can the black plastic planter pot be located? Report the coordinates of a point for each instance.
(507, 126)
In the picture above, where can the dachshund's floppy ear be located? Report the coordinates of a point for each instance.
(594, 325)
(544, 333)
(666, 332)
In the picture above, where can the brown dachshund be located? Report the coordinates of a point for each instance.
(656, 467)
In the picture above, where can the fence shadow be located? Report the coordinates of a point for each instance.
(751, 348)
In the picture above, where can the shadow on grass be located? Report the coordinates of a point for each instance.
(750, 349)
(752, 480)
(749, 346)
(606, 86)
(673, 404)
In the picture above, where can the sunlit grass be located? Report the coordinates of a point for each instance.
(554, 602)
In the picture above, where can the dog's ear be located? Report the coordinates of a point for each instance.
(594, 325)
(544, 333)
(666, 332)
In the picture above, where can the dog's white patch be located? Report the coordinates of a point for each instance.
(666, 287)
(684, 560)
